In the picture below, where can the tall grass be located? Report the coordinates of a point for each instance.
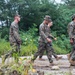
(30, 42)
(4, 46)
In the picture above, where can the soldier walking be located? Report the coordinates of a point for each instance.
(14, 37)
(44, 40)
(71, 32)
(51, 37)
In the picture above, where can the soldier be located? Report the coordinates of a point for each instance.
(44, 40)
(71, 32)
(14, 37)
(51, 37)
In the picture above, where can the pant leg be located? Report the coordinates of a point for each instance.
(18, 48)
(42, 53)
(73, 51)
(49, 53)
(53, 53)
(52, 49)
(40, 50)
(13, 49)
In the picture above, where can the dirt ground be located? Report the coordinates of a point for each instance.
(43, 66)
(63, 64)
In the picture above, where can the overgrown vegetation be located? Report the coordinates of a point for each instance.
(32, 14)
(30, 43)
(31, 17)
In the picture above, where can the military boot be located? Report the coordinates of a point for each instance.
(52, 64)
(72, 63)
(41, 59)
(58, 58)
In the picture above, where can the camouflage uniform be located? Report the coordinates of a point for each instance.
(71, 32)
(51, 37)
(14, 38)
(43, 43)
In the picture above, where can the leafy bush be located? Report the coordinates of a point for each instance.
(5, 33)
(30, 42)
(63, 43)
(29, 49)
(29, 36)
(59, 50)
(4, 46)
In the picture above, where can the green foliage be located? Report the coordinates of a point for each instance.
(29, 36)
(4, 46)
(32, 16)
(59, 50)
(70, 3)
(60, 13)
(29, 41)
(29, 49)
(29, 46)
(63, 43)
(25, 49)
(5, 33)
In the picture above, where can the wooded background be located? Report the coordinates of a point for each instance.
(32, 13)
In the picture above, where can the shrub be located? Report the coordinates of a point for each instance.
(63, 43)
(4, 46)
(29, 49)
(59, 50)
(5, 33)
(30, 43)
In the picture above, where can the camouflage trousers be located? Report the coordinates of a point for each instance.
(44, 47)
(71, 56)
(53, 53)
(15, 48)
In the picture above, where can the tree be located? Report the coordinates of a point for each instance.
(70, 3)
(33, 12)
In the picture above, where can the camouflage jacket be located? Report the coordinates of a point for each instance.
(44, 32)
(14, 33)
(71, 29)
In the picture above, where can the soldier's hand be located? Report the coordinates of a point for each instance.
(49, 40)
(19, 41)
(55, 38)
(71, 41)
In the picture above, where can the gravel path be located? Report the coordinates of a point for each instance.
(44, 66)
(63, 64)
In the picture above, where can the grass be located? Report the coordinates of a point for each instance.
(59, 50)
(4, 47)
(26, 50)
(29, 49)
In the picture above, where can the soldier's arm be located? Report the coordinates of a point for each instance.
(70, 30)
(42, 32)
(16, 35)
(51, 36)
